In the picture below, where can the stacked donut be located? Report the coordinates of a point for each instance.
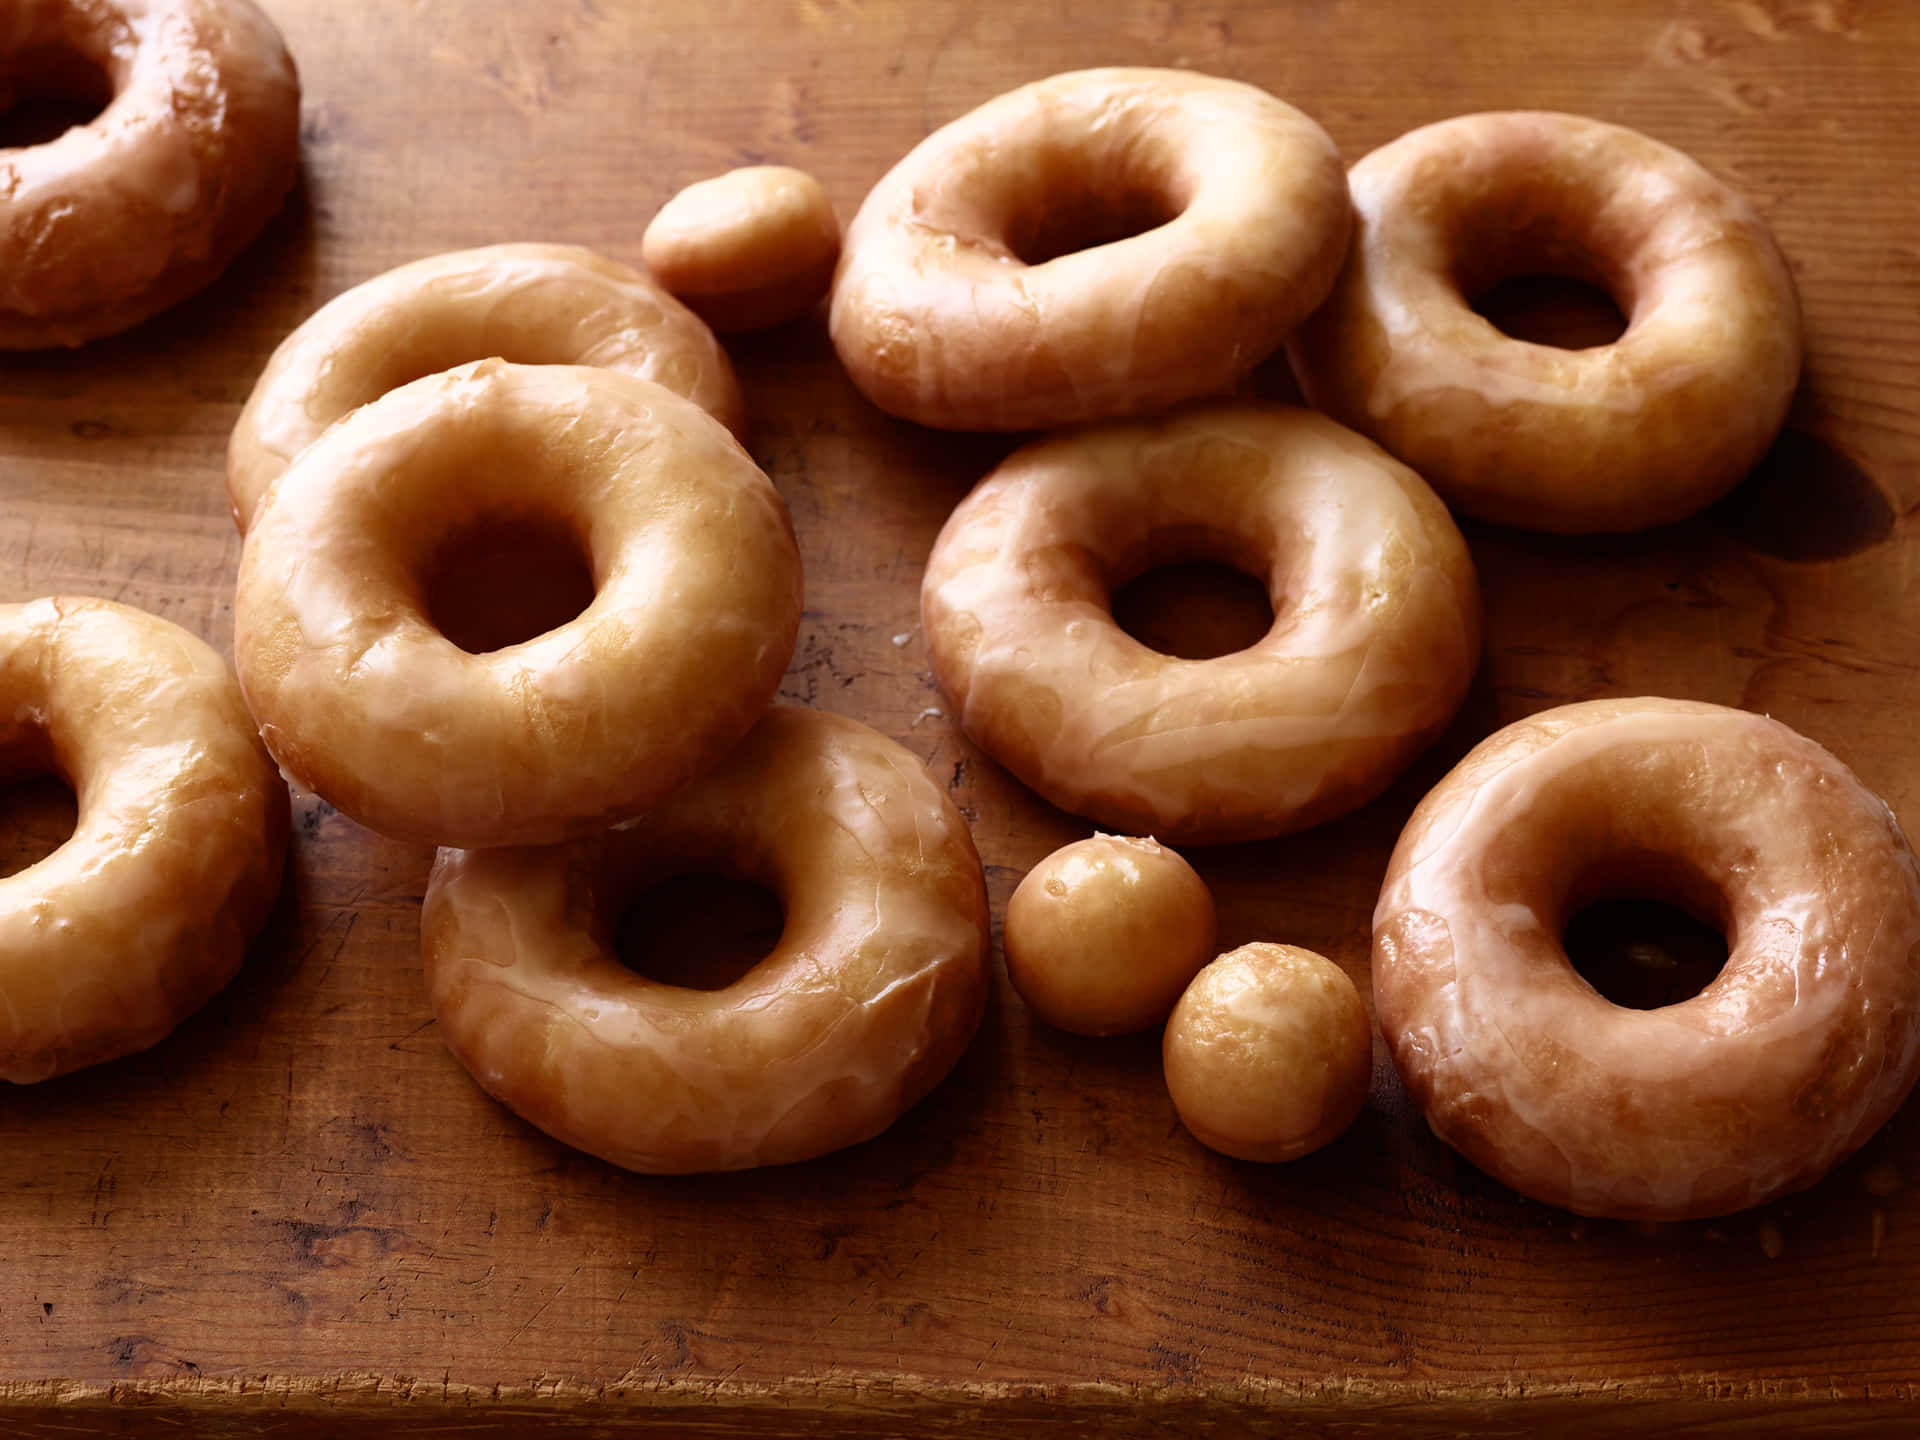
(562, 773)
(1098, 247)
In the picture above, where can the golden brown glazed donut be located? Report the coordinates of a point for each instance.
(746, 250)
(1624, 436)
(529, 304)
(119, 218)
(1806, 1041)
(363, 701)
(974, 292)
(874, 990)
(1268, 1054)
(176, 855)
(1103, 934)
(1376, 627)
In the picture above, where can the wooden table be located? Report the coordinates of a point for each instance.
(299, 1217)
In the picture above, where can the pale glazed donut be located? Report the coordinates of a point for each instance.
(746, 250)
(529, 304)
(176, 854)
(1624, 436)
(875, 988)
(119, 218)
(1103, 935)
(361, 700)
(1807, 1040)
(1268, 1054)
(1242, 217)
(1376, 626)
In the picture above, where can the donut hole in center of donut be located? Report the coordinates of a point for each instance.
(1646, 933)
(1554, 310)
(1071, 200)
(46, 90)
(38, 811)
(504, 580)
(1194, 609)
(699, 931)
(1539, 279)
(1191, 592)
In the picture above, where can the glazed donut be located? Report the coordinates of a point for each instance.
(1376, 625)
(746, 250)
(530, 304)
(1624, 436)
(1806, 1041)
(176, 854)
(363, 701)
(974, 292)
(875, 988)
(1268, 1054)
(1103, 934)
(118, 219)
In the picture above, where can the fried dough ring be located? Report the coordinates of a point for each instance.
(1624, 436)
(177, 850)
(1234, 215)
(875, 988)
(1798, 1050)
(362, 700)
(529, 304)
(1376, 621)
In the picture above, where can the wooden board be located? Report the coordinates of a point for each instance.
(298, 1216)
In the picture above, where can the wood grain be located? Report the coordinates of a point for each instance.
(298, 1217)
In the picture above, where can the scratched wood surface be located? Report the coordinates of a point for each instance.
(297, 1216)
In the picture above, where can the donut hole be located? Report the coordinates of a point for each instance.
(46, 90)
(1643, 953)
(503, 581)
(1540, 278)
(1194, 609)
(700, 931)
(1069, 201)
(1554, 310)
(38, 810)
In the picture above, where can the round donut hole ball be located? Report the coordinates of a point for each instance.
(747, 250)
(1268, 1053)
(1103, 934)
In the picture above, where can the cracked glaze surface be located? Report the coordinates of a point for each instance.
(1624, 436)
(695, 611)
(119, 218)
(176, 855)
(873, 992)
(939, 319)
(1797, 1052)
(528, 304)
(1375, 637)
